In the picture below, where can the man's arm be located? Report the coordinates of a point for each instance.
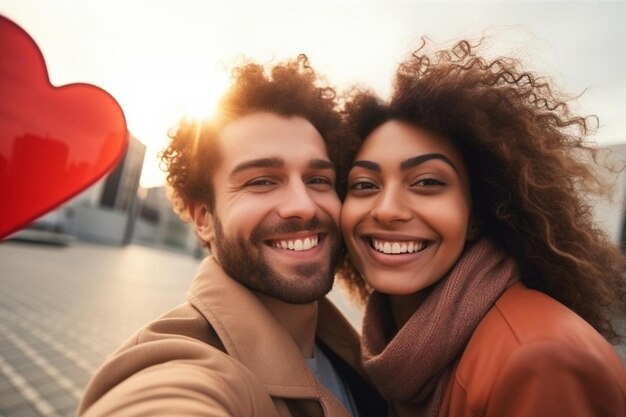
(182, 377)
(175, 366)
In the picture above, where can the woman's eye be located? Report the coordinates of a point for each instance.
(363, 186)
(428, 182)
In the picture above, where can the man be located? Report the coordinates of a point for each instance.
(255, 337)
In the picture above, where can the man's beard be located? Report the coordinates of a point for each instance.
(242, 259)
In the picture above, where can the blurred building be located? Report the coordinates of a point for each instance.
(111, 212)
(611, 213)
(158, 225)
(104, 212)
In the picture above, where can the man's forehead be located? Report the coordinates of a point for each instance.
(269, 135)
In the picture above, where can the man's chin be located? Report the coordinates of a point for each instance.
(299, 295)
(303, 272)
(304, 284)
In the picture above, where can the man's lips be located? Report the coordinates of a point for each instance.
(299, 243)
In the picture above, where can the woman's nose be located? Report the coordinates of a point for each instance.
(391, 206)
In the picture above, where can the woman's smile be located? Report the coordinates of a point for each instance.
(406, 214)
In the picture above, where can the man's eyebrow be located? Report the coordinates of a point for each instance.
(320, 164)
(413, 162)
(372, 166)
(257, 163)
(277, 163)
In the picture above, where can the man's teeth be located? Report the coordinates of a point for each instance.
(297, 244)
(398, 247)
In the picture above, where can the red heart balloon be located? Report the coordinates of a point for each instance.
(54, 141)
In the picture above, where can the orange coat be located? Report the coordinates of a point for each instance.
(223, 354)
(533, 357)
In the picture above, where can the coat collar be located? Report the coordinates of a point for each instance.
(252, 335)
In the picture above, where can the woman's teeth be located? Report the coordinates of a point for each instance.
(297, 244)
(390, 247)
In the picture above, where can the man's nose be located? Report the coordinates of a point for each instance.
(297, 201)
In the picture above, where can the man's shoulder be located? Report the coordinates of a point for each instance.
(183, 322)
(180, 341)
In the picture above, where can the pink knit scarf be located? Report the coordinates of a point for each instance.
(413, 369)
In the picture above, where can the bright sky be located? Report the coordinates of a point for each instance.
(163, 59)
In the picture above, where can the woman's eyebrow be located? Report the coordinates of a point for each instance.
(372, 166)
(417, 160)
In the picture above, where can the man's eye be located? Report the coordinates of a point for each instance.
(260, 182)
(320, 180)
(320, 183)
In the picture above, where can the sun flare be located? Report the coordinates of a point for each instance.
(188, 99)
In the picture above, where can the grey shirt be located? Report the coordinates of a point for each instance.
(326, 374)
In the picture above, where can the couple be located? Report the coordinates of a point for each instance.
(488, 289)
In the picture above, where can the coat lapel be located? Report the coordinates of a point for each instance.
(251, 335)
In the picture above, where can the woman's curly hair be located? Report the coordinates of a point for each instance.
(531, 171)
(291, 88)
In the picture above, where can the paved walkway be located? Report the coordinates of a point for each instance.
(64, 309)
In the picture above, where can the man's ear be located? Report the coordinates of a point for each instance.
(203, 222)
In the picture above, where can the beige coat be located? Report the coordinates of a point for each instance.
(223, 354)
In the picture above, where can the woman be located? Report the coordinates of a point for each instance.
(489, 288)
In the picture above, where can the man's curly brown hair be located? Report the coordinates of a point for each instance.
(530, 167)
(289, 89)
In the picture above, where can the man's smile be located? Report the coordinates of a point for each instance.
(296, 244)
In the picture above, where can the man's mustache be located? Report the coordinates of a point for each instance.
(264, 232)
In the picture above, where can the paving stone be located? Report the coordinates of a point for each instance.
(21, 362)
(4, 383)
(5, 343)
(69, 411)
(31, 373)
(22, 410)
(11, 397)
(79, 377)
(51, 355)
(10, 352)
(61, 402)
(27, 337)
(47, 386)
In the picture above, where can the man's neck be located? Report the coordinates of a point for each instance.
(300, 321)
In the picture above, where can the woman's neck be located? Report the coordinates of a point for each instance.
(404, 306)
